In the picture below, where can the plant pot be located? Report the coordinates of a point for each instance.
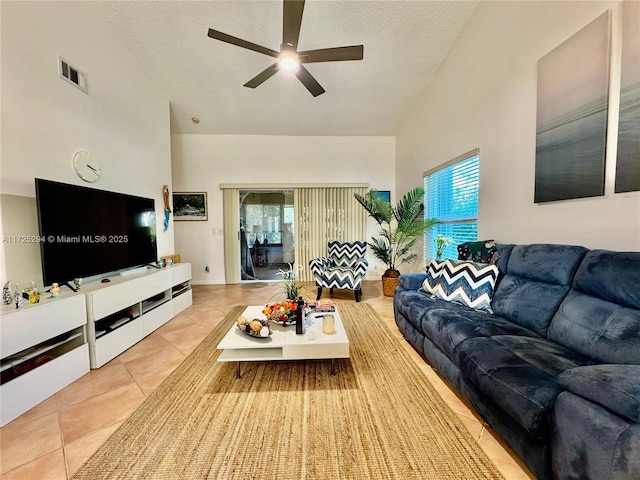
(390, 282)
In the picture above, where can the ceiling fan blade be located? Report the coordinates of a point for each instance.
(337, 54)
(262, 76)
(291, 21)
(215, 34)
(308, 81)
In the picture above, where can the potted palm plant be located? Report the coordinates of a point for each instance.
(401, 226)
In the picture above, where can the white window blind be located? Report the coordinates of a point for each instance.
(451, 196)
(231, 225)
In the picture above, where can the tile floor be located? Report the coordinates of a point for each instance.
(52, 440)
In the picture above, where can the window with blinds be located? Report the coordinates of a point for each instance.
(451, 196)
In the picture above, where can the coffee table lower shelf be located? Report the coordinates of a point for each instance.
(276, 353)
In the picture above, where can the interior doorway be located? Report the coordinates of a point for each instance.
(267, 233)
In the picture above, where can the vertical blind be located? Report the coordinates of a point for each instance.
(231, 229)
(451, 196)
(323, 214)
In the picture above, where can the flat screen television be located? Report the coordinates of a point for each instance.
(86, 232)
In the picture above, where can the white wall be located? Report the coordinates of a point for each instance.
(123, 120)
(203, 162)
(484, 95)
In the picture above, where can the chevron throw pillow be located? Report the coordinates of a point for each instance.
(467, 283)
(434, 272)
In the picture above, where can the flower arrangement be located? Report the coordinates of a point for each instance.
(442, 243)
(292, 287)
(282, 313)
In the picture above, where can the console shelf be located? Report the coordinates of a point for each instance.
(155, 301)
(180, 289)
(23, 362)
(43, 349)
(112, 322)
(125, 310)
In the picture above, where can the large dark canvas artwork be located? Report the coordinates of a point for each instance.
(571, 126)
(628, 160)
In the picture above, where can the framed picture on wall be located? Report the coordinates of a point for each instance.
(628, 162)
(190, 206)
(383, 195)
(572, 112)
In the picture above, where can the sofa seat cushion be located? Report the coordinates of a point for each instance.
(601, 330)
(615, 387)
(447, 327)
(519, 374)
(414, 305)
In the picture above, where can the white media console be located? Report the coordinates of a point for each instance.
(128, 308)
(46, 346)
(43, 348)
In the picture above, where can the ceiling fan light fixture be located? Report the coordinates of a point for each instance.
(288, 61)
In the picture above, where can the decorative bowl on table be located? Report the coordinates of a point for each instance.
(255, 327)
(283, 313)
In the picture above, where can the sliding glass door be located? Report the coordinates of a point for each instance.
(268, 227)
(267, 233)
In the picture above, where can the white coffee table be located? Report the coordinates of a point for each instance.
(283, 343)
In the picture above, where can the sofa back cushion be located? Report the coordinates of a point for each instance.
(504, 252)
(537, 279)
(600, 317)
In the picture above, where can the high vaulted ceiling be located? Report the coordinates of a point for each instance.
(404, 43)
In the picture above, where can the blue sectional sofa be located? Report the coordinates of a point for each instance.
(555, 369)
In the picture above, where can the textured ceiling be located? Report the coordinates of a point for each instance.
(404, 43)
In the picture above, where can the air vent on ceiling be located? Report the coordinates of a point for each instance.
(72, 75)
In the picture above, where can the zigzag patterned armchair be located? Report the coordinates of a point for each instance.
(345, 267)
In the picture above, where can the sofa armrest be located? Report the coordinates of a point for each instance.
(411, 281)
(616, 387)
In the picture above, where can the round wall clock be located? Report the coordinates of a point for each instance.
(87, 166)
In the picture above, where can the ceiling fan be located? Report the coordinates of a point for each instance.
(288, 58)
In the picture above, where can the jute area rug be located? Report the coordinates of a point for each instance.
(377, 418)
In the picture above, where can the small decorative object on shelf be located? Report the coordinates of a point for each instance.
(170, 259)
(282, 313)
(300, 317)
(167, 207)
(17, 297)
(55, 290)
(7, 298)
(34, 295)
(77, 282)
(255, 328)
